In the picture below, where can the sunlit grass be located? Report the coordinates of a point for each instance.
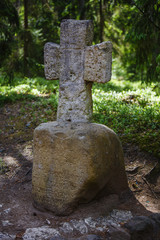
(131, 109)
(134, 114)
(28, 88)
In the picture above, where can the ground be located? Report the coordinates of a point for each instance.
(16, 156)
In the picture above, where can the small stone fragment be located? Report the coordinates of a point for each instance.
(121, 216)
(40, 233)
(90, 222)
(6, 223)
(6, 211)
(48, 222)
(80, 226)
(66, 228)
(6, 236)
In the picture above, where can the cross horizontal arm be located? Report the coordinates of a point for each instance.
(98, 62)
(51, 61)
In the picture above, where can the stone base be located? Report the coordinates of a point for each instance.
(75, 163)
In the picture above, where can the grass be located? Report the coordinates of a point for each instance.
(131, 109)
(28, 88)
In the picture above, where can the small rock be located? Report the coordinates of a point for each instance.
(143, 228)
(90, 222)
(41, 233)
(48, 222)
(28, 124)
(132, 169)
(100, 229)
(6, 223)
(121, 216)
(106, 221)
(80, 226)
(5, 236)
(66, 228)
(6, 211)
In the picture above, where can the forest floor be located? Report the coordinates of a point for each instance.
(16, 156)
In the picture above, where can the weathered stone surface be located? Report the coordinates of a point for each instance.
(75, 100)
(73, 163)
(98, 62)
(76, 34)
(51, 60)
(77, 66)
(75, 103)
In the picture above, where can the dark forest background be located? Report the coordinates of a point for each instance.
(133, 26)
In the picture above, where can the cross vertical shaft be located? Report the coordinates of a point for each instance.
(75, 100)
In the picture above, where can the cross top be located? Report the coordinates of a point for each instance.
(77, 65)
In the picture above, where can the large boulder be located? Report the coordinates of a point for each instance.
(74, 163)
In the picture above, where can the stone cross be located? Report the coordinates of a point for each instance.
(77, 65)
(75, 160)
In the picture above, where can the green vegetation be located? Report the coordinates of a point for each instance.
(133, 26)
(132, 110)
(29, 88)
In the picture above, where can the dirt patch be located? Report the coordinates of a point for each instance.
(16, 156)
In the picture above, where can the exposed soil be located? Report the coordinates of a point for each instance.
(16, 155)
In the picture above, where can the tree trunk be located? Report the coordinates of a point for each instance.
(82, 9)
(25, 37)
(101, 21)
